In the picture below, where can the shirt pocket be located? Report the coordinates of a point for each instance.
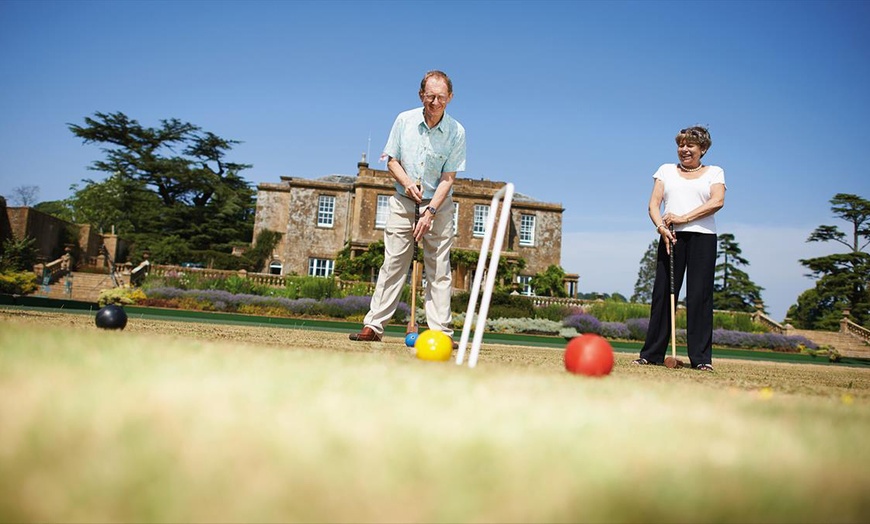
(435, 161)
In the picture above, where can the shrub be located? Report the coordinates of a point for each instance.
(171, 303)
(264, 311)
(502, 305)
(220, 300)
(583, 323)
(120, 296)
(616, 330)
(554, 312)
(310, 287)
(612, 311)
(347, 306)
(18, 282)
(193, 304)
(236, 284)
(360, 289)
(18, 256)
(736, 321)
(537, 326)
(637, 327)
(772, 341)
(319, 288)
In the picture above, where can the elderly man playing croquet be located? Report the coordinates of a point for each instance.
(425, 150)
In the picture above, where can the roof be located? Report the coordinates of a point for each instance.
(338, 179)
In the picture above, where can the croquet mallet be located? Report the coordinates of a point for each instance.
(412, 324)
(672, 361)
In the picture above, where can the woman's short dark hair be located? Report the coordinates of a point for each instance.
(439, 74)
(695, 135)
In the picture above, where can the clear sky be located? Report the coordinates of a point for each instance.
(573, 102)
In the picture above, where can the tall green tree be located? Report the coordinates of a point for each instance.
(843, 279)
(166, 184)
(733, 290)
(646, 275)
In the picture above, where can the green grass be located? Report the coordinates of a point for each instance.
(184, 422)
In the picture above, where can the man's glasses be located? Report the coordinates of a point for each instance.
(431, 98)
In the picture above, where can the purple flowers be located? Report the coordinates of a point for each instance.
(357, 306)
(219, 300)
(583, 323)
(636, 329)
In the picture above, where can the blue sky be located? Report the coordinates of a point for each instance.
(573, 102)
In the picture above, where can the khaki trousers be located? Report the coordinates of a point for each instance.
(398, 254)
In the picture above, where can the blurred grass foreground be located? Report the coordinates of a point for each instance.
(120, 427)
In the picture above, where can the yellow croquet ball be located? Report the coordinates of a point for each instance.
(433, 345)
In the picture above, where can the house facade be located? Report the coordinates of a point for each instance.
(320, 217)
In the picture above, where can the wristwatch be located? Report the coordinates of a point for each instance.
(431, 209)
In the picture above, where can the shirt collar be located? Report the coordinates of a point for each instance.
(422, 121)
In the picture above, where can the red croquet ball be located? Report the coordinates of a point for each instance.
(589, 355)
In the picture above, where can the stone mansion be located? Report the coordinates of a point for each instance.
(320, 217)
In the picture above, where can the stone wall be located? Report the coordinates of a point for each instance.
(5, 226)
(50, 233)
(53, 235)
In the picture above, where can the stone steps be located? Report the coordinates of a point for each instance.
(845, 344)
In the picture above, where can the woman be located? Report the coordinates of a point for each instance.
(691, 192)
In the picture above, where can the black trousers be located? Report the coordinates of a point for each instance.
(694, 255)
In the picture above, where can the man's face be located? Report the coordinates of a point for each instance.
(435, 97)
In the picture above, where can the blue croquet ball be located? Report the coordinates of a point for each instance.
(111, 317)
(410, 338)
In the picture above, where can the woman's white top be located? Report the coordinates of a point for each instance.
(683, 195)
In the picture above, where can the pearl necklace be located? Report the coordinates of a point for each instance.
(692, 170)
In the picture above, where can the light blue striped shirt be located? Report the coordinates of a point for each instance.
(426, 153)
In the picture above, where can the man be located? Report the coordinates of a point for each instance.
(425, 150)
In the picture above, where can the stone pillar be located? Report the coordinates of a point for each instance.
(844, 322)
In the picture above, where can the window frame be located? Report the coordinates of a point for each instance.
(314, 267)
(323, 214)
(525, 284)
(481, 215)
(382, 211)
(529, 232)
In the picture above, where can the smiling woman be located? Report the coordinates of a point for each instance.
(690, 193)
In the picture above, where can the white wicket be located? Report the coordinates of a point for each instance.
(505, 194)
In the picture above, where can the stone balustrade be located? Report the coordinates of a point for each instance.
(562, 301)
(772, 325)
(51, 272)
(850, 328)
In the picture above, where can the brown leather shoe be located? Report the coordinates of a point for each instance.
(366, 335)
(455, 344)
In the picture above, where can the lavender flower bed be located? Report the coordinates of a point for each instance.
(225, 301)
(631, 329)
(583, 323)
(636, 329)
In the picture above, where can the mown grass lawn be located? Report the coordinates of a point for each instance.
(188, 422)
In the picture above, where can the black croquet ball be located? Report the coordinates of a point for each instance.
(111, 317)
